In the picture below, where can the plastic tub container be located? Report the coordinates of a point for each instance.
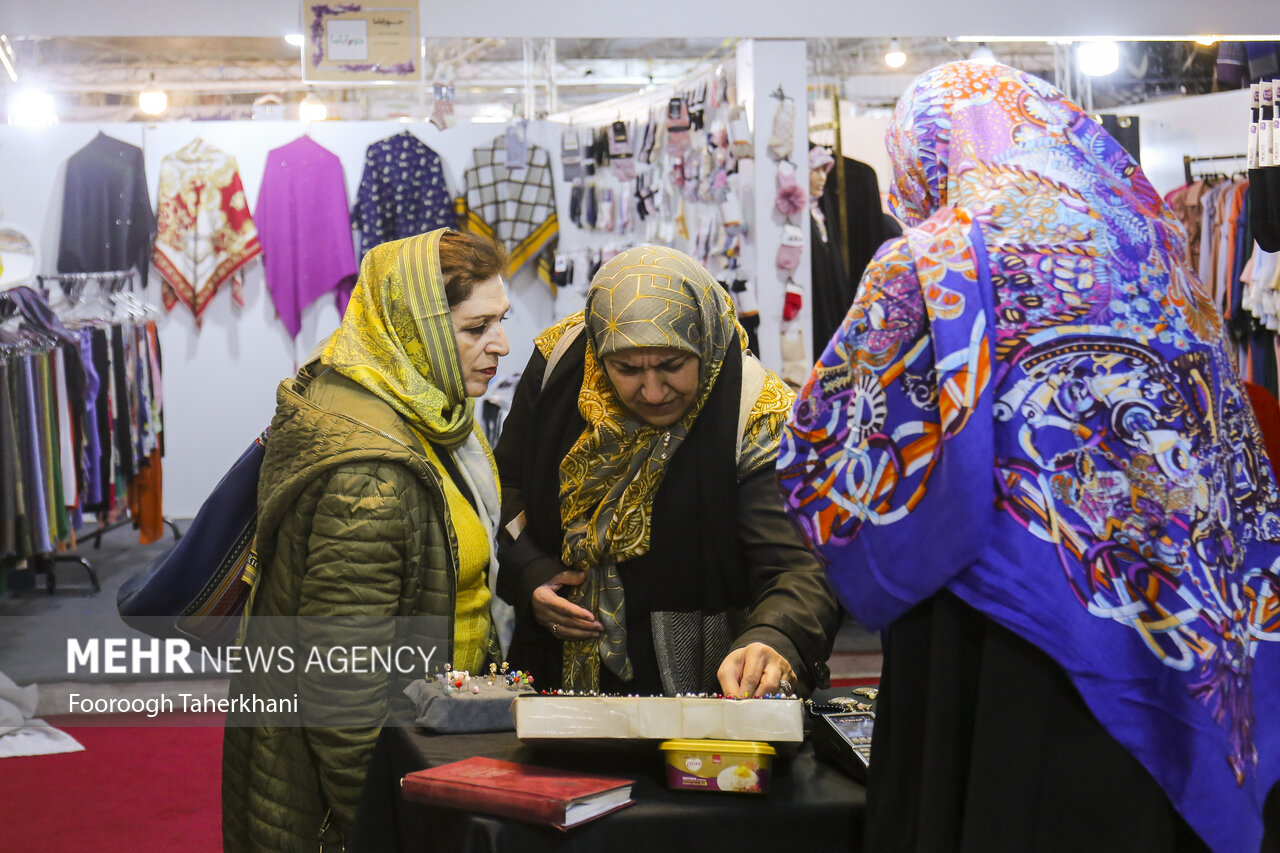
(740, 767)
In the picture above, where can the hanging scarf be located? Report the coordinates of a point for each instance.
(204, 233)
(513, 203)
(1031, 404)
(397, 341)
(649, 296)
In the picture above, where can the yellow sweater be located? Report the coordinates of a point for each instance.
(471, 614)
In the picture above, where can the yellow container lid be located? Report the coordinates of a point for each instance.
(735, 747)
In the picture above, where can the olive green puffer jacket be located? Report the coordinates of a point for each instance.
(355, 547)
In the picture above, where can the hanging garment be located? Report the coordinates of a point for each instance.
(205, 231)
(102, 422)
(832, 293)
(858, 214)
(9, 505)
(29, 448)
(305, 228)
(516, 207)
(59, 523)
(107, 222)
(92, 492)
(402, 192)
(65, 433)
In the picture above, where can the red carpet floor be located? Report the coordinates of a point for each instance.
(133, 790)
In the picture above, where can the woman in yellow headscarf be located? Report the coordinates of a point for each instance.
(377, 504)
(655, 556)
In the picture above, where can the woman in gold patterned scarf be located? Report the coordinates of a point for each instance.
(646, 550)
(378, 503)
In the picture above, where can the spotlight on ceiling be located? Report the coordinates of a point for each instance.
(312, 108)
(982, 53)
(1098, 58)
(895, 57)
(31, 107)
(1207, 41)
(152, 100)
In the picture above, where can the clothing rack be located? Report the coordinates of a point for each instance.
(72, 286)
(72, 283)
(1187, 160)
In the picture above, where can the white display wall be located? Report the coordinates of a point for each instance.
(1207, 125)
(220, 379)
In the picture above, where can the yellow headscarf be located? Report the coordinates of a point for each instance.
(397, 339)
(649, 296)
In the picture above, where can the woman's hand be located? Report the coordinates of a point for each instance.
(565, 620)
(755, 670)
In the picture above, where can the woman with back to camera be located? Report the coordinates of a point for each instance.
(378, 499)
(1027, 456)
(655, 556)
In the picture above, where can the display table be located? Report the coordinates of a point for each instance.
(809, 805)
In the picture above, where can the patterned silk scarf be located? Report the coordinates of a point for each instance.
(397, 339)
(649, 296)
(204, 232)
(1031, 404)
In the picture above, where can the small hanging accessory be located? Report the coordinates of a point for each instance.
(571, 155)
(620, 155)
(782, 140)
(677, 126)
(791, 198)
(517, 150)
(442, 106)
(791, 248)
(739, 134)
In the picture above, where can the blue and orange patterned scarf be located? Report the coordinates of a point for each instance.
(1031, 404)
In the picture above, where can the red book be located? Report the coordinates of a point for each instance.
(537, 794)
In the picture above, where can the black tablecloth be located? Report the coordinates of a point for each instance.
(809, 804)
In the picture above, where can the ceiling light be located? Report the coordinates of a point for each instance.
(153, 101)
(1098, 58)
(31, 107)
(1207, 41)
(1059, 39)
(312, 108)
(982, 53)
(296, 39)
(895, 58)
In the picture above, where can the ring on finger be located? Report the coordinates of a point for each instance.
(555, 630)
(785, 686)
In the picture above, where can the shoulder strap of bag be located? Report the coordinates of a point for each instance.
(311, 368)
(562, 346)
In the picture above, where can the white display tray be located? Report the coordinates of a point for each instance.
(658, 718)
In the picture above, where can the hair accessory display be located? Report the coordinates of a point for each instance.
(782, 141)
(791, 198)
(790, 249)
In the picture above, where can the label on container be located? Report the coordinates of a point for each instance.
(742, 774)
